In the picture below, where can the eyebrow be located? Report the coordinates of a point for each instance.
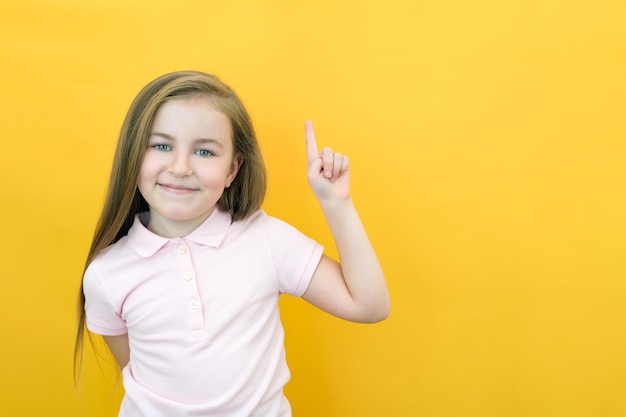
(198, 140)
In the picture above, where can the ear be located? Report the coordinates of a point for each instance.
(234, 169)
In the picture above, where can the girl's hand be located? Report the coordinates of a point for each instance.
(328, 172)
(355, 288)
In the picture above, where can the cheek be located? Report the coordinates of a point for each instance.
(211, 178)
(149, 168)
(143, 174)
(148, 174)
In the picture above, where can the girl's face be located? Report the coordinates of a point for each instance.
(188, 164)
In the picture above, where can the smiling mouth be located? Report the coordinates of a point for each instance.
(176, 189)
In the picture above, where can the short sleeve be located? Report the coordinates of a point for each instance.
(295, 256)
(102, 317)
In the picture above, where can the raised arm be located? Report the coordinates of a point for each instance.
(353, 289)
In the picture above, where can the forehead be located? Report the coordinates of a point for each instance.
(195, 115)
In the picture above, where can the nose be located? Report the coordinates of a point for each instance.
(179, 165)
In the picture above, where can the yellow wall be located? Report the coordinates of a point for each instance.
(488, 147)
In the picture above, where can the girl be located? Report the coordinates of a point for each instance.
(185, 268)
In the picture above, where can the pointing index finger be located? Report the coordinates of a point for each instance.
(311, 143)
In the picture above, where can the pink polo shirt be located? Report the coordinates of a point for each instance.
(201, 313)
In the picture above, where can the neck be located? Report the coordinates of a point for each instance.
(174, 228)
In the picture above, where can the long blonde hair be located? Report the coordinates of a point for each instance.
(123, 200)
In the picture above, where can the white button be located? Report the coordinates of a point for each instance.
(188, 275)
(181, 248)
(193, 304)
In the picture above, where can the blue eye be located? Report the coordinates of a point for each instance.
(204, 152)
(162, 147)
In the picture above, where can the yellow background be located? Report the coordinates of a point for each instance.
(488, 163)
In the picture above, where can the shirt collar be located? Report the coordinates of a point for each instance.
(211, 232)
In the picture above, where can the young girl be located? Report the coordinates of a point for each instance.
(185, 268)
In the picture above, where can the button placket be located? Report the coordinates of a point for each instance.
(190, 286)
